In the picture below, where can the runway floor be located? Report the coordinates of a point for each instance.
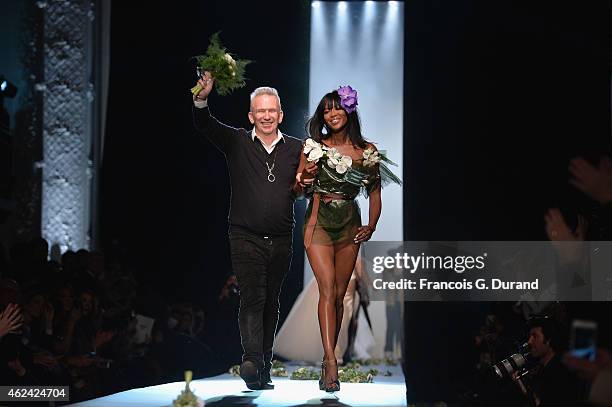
(227, 390)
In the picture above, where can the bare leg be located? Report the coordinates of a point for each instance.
(344, 263)
(342, 342)
(321, 259)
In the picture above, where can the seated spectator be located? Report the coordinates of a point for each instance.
(66, 317)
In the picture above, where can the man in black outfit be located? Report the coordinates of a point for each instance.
(262, 164)
(551, 383)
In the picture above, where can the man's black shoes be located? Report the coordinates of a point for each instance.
(250, 374)
(266, 381)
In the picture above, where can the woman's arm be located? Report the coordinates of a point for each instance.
(305, 174)
(375, 208)
(364, 233)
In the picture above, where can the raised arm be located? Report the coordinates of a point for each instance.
(221, 135)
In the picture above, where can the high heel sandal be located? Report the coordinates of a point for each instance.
(328, 387)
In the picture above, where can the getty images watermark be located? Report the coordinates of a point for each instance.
(487, 271)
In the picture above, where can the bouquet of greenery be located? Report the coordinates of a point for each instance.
(227, 71)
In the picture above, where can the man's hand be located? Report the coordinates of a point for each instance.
(560, 235)
(10, 319)
(595, 182)
(206, 82)
(558, 230)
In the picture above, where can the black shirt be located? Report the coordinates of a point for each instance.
(555, 385)
(257, 205)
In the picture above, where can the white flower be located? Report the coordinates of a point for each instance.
(367, 153)
(313, 150)
(310, 143)
(372, 159)
(333, 157)
(231, 63)
(337, 161)
(315, 154)
(341, 168)
(346, 160)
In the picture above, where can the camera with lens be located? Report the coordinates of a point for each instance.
(517, 362)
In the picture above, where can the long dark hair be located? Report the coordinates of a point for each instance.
(316, 124)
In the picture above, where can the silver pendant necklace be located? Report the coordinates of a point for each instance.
(271, 177)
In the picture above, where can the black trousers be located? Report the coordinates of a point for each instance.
(260, 264)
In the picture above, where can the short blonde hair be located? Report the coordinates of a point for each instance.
(266, 90)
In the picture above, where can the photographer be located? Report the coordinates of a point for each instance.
(549, 383)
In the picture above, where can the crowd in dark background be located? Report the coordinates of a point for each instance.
(76, 323)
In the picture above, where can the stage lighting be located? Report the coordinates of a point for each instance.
(7, 89)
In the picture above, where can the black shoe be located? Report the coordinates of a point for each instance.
(250, 374)
(266, 386)
(266, 381)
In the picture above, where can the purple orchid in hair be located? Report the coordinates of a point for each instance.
(348, 98)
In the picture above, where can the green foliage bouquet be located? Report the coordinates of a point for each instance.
(227, 71)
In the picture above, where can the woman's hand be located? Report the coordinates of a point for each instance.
(364, 233)
(307, 176)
